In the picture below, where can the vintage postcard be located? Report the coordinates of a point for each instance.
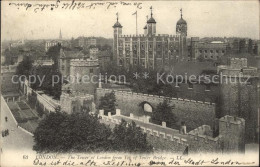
(130, 83)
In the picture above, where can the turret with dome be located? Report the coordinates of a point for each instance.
(151, 24)
(117, 32)
(181, 26)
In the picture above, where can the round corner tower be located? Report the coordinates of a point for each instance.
(238, 93)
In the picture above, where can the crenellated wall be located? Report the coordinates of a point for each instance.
(201, 140)
(160, 140)
(73, 102)
(163, 138)
(194, 113)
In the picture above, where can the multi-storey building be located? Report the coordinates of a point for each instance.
(93, 51)
(207, 50)
(65, 57)
(86, 42)
(150, 50)
(52, 43)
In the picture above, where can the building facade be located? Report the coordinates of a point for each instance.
(86, 42)
(206, 50)
(85, 74)
(65, 57)
(150, 50)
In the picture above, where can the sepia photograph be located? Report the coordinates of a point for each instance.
(130, 83)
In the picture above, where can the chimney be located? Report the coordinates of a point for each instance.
(183, 128)
(100, 83)
(101, 112)
(109, 114)
(118, 112)
(164, 124)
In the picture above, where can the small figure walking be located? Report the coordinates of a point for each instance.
(6, 119)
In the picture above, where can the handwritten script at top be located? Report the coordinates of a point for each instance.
(70, 5)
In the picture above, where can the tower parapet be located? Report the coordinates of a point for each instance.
(238, 93)
(84, 75)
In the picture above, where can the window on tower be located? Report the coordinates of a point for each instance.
(207, 87)
(91, 70)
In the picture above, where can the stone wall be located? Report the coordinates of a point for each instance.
(232, 129)
(43, 102)
(196, 141)
(7, 85)
(73, 103)
(201, 140)
(194, 113)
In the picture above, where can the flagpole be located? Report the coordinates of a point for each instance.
(136, 24)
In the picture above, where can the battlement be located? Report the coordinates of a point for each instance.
(203, 132)
(76, 96)
(232, 120)
(142, 35)
(238, 59)
(238, 62)
(237, 67)
(132, 36)
(160, 98)
(152, 130)
(84, 62)
(10, 68)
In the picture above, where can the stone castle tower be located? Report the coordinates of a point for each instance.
(232, 130)
(181, 30)
(238, 94)
(86, 75)
(77, 102)
(117, 32)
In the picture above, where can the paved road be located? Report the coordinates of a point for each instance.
(17, 142)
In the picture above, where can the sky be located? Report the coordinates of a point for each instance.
(204, 19)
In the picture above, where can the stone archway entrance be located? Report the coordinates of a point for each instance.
(147, 107)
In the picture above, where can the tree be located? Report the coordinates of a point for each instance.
(52, 80)
(164, 113)
(78, 132)
(250, 46)
(53, 53)
(25, 67)
(108, 103)
(128, 137)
